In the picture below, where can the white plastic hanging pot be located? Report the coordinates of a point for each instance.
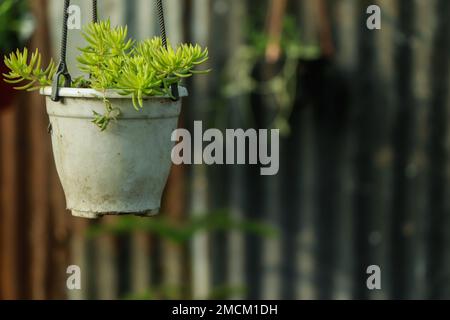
(122, 170)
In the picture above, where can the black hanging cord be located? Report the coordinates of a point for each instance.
(94, 11)
(62, 67)
(162, 27)
(162, 24)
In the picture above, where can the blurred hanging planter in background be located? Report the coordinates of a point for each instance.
(259, 68)
(269, 64)
(16, 27)
(111, 131)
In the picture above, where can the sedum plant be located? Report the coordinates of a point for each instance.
(113, 61)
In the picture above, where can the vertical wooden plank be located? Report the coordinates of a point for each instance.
(9, 228)
(201, 273)
(39, 169)
(105, 273)
(410, 135)
(307, 238)
(437, 273)
(174, 20)
(445, 226)
(78, 256)
(309, 22)
(114, 9)
(131, 18)
(306, 242)
(39, 203)
(60, 224)
(140, 264)
(378, 236)
(1, 230)
(60, 246)
(219, 177)
(346, 26)
(146, 19)
(425, 27)
(236, 248)
(326, 97)
(174, 208)
(277, 10)
(174, 202)
(368, 120)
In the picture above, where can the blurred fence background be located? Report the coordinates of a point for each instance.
(364, 169)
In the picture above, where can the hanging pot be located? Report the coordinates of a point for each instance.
(122, 170)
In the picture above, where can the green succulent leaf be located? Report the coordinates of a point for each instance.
(27, 69)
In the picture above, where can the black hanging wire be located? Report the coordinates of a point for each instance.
(94, 11)
(162, 24)
(162, 27)
(62, 67)
(62, 70)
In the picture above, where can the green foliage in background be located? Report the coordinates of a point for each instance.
(113, 61)
(180, 293)
(16, 24)
(181, 233)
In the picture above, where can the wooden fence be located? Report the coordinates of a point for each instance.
(364, 174)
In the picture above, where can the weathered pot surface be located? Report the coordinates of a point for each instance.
(122, 170)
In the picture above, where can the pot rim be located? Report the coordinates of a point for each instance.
(95, 94)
